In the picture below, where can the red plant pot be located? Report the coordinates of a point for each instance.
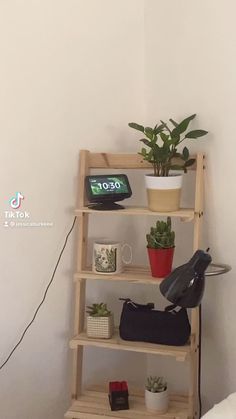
(161, 261)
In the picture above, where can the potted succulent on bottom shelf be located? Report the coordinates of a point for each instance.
(156, 395)
(160, 246)
(100, 321)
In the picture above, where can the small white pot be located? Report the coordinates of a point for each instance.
(163, 192)
(100, 327)
(157, 402)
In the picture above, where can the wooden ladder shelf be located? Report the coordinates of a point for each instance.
(93, 403)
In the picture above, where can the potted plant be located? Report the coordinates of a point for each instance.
(156, 395)
(160, 246)
(162, 142)
(100, 322)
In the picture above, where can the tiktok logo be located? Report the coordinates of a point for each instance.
(15, 201)
(17, 218)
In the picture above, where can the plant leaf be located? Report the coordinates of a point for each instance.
(189, 162)
(136, 126)
(183, 125)
(150, 154)
(164, 136)
(146, 142)
(144, 156)
(166, 126)
(175, 139)
(158, 129)
(173, 122)
(148, 131)
(196, 133)
(185, 153)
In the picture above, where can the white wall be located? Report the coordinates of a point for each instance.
(190, 67)
(70, 79)
(72, 75)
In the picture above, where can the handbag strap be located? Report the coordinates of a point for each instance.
(148, 306)
(173, 308)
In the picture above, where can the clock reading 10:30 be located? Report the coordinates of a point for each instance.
(108, 185)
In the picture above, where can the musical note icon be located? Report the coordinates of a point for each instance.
(15, 201)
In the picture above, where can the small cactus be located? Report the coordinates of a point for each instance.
(98, 310)
(161, 236)
(156, 384)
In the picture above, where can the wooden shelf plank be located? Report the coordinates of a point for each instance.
(181, 353)
(94, 405)
(134, 274)
(124, 161)
(186, 214)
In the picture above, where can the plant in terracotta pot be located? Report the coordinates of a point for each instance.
(100, 321)
(162, 151)
(156, 395)
(160, 246)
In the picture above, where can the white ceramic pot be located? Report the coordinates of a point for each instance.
(163, 192)
(157, 402)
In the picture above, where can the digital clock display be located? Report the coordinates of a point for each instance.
(107, 188)
(108, 185)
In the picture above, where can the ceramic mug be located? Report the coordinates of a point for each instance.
(108, 257)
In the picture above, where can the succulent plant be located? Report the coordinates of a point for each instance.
(98, 310)
(161, 236)
(156, 384)
(162, 143)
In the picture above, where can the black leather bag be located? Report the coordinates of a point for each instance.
(142, 323)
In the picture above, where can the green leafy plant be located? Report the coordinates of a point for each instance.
(98, 310)
(162, 143)
(161, 236)
(156, 384)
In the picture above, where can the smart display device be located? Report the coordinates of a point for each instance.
(103, 191)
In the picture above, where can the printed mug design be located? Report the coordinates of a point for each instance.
(105, 259)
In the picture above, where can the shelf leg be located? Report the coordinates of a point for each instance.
(80, 292)
(193, 391)
(194, 360)
(78, 353)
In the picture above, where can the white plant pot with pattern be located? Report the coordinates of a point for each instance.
(100, 327)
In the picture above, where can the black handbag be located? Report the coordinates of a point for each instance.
(142, 323)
